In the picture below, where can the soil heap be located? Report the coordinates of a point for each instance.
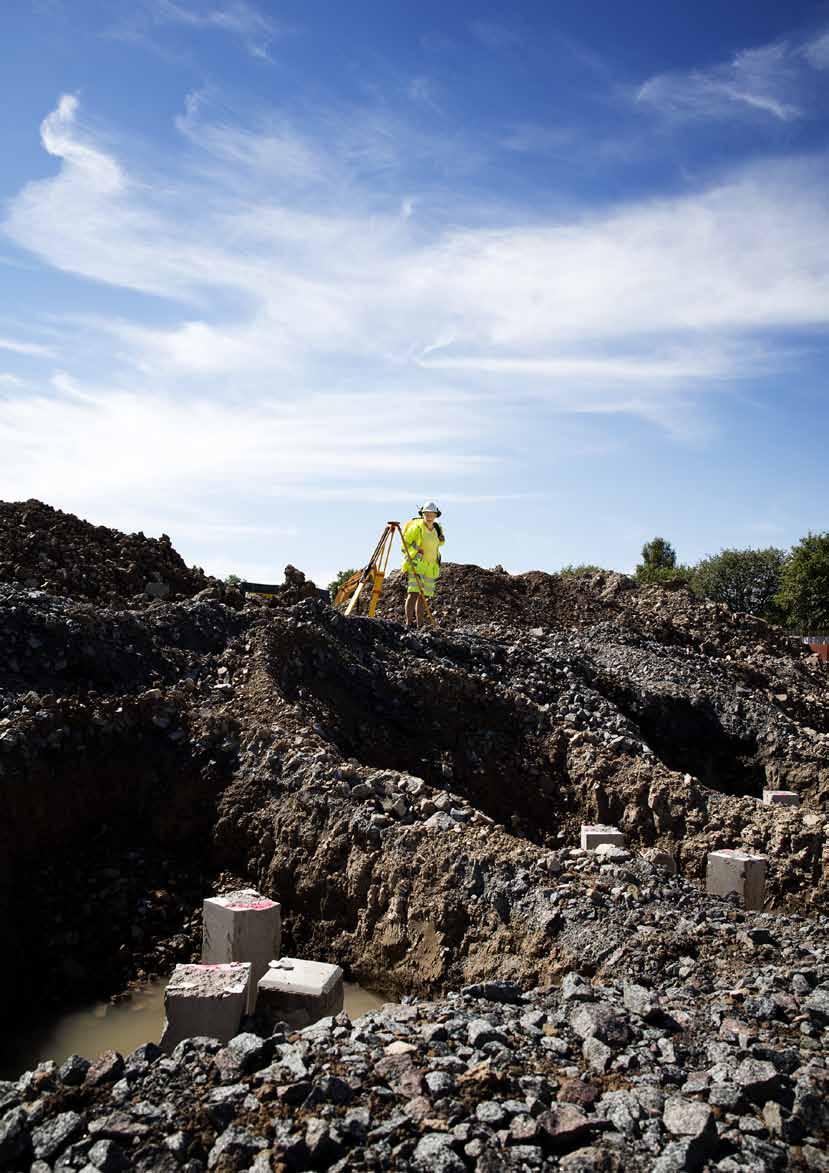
(413, 800)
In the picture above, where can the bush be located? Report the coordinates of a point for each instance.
(747, 580)
(804, 585)
(571, 571)
(232, 580)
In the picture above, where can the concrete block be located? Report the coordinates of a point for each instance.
(299, 992)
(205, 1000)
(592, 834)
(729, 871)
(242, 926)
(661, 859)
(781, 798)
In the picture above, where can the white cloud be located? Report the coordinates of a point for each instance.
(35, 349)
(311, 280)
(7, 380)
(764, 81)
(240, 19)
(816, 51)
(96, 443)
(425, 92)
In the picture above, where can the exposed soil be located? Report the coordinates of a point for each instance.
(409, 797)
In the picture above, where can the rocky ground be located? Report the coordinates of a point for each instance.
(413, 800)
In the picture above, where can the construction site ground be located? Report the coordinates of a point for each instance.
(413, 799)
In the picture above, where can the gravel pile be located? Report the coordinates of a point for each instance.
(713, 1057)
(54, 551)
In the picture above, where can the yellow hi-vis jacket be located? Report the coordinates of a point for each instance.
(418, 536)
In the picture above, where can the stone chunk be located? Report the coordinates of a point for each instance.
(660, 859)
(602, 1022)
(730, 871)
(640, 1001)
(14, 1139)
(781, 798)
(691, 1118)
(205, 1000)
(300, 992)
(759, 1079)
(818, 1004)
(564, 1126)
(235, 1148)
(107, 1068)
(51, 1136)
(242, 926)
(593, 834)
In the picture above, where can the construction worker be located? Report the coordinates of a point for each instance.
(422, 539)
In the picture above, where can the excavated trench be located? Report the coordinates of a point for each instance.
(689, 736)
(104, 863)
(454, 731)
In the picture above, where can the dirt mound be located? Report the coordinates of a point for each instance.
(59, 553)
(471, 595)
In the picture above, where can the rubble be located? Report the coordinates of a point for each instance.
(414, 801)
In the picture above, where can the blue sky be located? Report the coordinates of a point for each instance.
(273, 273)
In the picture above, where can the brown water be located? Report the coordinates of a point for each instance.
(121, 1027)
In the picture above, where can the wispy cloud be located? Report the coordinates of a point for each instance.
(312, 280)
(239, 18)
(425, 92)
(767, 81)
(35, 349)
(816, 51)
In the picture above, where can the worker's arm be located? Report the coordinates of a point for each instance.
(412, 537)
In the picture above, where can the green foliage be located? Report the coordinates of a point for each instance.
(664, 575)
(334, 586)
(659, 565)
(571, 571)
(657, 554)
(232, 580)
(747, 580)
(804, 585)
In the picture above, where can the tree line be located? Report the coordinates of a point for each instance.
(790, 587)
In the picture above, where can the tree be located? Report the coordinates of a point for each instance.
(334, 586)
(804, 585)
(232, 580)
(747, 580)
(659, 564)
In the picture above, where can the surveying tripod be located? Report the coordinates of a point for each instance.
(375, 573)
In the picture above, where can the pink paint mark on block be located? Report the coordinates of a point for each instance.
(250, 905)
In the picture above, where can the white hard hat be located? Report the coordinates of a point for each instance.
(429, 507)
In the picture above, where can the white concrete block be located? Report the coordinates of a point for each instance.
(242, 926)
(592, 834)
(300, 992)
(781, 798)
(205, 1000)
(729, 871)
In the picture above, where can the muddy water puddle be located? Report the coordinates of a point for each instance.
(120, 1027)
